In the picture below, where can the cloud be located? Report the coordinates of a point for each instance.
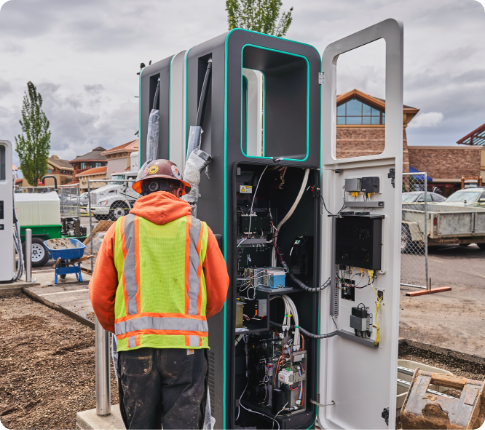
(5, 87)
(429, 119)
(94, 89)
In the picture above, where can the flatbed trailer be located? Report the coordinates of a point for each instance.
(445, 225)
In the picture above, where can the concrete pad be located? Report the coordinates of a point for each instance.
(46, 278)
(14, 288)
(88, 420)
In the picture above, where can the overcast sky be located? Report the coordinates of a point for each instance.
(83, 56)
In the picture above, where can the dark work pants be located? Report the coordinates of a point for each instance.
(162, 387)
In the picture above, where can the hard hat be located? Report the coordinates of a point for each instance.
(162, 169)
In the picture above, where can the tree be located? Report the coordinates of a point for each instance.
(259, 15)
(33, 148)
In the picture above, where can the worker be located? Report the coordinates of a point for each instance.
(159, 275)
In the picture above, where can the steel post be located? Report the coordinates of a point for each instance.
(28, 255)
(428, 281)
(103, 386)
(90, 226)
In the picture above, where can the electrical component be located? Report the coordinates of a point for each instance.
(359, 241)
(291, 375)
(370, 184)
(254, 224)
(347, 288)
(361, 321)
(276, 278)
(301, 256)
(353, 185)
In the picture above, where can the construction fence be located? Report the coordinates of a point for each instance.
(107, 200)
(414, 235)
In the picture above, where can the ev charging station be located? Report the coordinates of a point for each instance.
(311, 242)
(7, 250)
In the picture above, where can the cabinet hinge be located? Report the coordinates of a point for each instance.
(321, 78)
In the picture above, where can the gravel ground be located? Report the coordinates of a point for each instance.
(46, 367)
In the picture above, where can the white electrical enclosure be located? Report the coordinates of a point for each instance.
(359, 378)
(38, 208)
(254, 111)
(177, 139)
(7, 251)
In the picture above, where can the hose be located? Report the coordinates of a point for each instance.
(289, 214)
(307, 333)
(301, 284)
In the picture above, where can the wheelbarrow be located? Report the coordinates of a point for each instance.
(66, 257)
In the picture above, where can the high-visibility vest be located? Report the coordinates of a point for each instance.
(161, 296)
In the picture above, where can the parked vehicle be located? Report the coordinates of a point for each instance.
(115, 199)
(84, 199)
(418, 196)
(468, 197)
(445, 224)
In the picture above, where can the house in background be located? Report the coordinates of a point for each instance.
(119, 157)
(361, 120)
(97, 174)
(88, 161)
(61, 169)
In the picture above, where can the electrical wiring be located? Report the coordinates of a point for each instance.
(289, 214)
(274, 419)
(307, 333)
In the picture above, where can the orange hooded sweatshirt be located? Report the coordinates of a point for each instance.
(160, 208)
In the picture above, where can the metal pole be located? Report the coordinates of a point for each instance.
(90, 225)
(426, 226)
(103, 386)
(28, 255)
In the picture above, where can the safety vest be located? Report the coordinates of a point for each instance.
(161, 296)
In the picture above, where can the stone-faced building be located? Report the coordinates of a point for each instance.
(361, 122)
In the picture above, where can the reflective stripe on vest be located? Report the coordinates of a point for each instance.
(161, 288)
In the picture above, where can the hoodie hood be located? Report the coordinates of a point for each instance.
(161, 208)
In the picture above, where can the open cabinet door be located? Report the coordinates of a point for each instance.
(357, 379)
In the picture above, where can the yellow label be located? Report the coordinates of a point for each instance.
(152, 170)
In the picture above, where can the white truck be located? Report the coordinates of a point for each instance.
(115, 199)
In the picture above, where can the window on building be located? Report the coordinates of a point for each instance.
(83, 165)
(49, 170)
(97, 165)
(354, 112)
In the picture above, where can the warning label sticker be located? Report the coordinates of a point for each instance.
(245, 189)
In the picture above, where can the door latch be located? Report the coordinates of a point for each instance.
(385, 415)
(392, 176)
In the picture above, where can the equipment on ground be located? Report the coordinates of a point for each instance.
(67, 253)
(423, 409)
(309, 240)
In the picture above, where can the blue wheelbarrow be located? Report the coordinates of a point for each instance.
(68, 256)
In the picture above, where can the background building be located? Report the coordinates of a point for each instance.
(61, 169)
(96, 174)
(91, 160)
(119, 157)
(361, 122)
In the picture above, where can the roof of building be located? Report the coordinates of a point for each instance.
(126, 147)
(94, 155)
(409, 111)
(476, 137)
(61, 164)
(444, 147)
(95, 171)
(19, 180)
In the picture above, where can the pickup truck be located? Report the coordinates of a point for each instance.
(115, 199)
(447, 224)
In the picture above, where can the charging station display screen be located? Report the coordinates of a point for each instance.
(3, 166)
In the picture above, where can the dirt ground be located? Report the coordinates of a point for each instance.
(46, 367)
(454, 319)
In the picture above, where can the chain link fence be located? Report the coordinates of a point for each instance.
(70, 201)
(414, 234)
(107, 200)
